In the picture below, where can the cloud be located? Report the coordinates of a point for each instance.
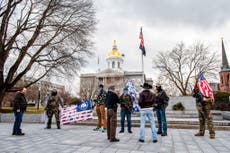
(165, 23)
(204, 14)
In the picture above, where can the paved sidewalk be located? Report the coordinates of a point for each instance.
(82, 139)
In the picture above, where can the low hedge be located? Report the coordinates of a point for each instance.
(222, 101)
(29, 110)
(6, 110)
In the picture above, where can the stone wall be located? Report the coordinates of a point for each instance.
(187, 101)
(226, 115)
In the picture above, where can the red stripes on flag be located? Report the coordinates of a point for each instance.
(69, 114)
(204, 87)
(142, 47)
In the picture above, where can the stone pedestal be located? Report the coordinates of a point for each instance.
(188, 102)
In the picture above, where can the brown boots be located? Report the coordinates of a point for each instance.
(212, 135)
(199, 134)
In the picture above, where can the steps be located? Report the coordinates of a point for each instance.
(182, 120)
(172, 123)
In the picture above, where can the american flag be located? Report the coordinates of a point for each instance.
(77, 113)
(204, 87)
(142, 47)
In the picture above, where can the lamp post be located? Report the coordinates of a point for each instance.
(39, 95)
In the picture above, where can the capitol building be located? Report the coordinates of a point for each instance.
(114, 74)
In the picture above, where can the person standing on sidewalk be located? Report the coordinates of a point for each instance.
(161, 102)
(126, 110)
(19, 108)
(100, 109)
(203, 105)
(146, 101)
(52, 107)
(111, 103)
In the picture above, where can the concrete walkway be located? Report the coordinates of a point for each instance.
(82, 139)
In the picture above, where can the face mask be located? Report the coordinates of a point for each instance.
(126, 92)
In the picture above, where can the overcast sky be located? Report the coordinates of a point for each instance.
(165, 23)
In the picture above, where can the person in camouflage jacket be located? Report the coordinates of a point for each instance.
(52, 107)
(126, 103)
(100, 109)
(203, 105)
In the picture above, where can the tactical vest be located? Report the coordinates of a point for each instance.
(53, 102)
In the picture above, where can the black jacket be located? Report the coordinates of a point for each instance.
(111, 100)
(20, 102)
(162, 99)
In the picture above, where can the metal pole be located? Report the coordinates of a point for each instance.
(143, 79)
(39, 96)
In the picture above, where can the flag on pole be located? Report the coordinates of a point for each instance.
(204, 87)
(142, 46)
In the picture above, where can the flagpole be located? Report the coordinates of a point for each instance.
(142, 47)
(98, 64)
(142, 64)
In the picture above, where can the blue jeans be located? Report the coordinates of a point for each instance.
(17, 123)
(161, 118)
(128, 116)
(149, 114)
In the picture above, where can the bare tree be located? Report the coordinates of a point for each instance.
(43, 37)
(88, 89)
(181, 66)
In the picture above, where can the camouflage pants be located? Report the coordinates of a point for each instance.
(204, 113)
(50, 113)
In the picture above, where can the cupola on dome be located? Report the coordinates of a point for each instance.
(115, 53)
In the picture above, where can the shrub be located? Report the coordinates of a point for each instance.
(7, 110)
(75, 101)
(31, 105)
(222, 101)
(29, 110)
(178, 107)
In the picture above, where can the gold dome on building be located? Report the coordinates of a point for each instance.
(115, 53)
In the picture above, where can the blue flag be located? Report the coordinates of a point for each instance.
(83, 106)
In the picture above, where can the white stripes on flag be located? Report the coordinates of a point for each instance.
(69, 114)
(205, 89)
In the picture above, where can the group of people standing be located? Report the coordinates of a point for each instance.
(148, 102)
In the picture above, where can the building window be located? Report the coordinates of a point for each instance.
(227, 83)
(118, 64)
(222, 80)
(113, 64)
(100, 80)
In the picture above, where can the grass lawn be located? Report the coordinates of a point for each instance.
(29, 110)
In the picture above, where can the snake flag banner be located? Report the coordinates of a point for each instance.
(77, 113)
(133, 92)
